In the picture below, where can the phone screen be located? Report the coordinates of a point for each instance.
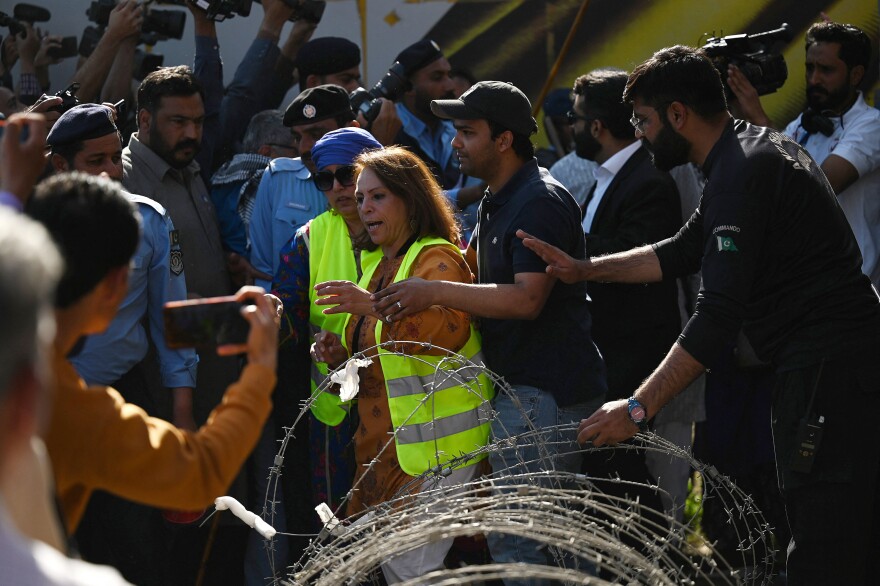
(205, 323)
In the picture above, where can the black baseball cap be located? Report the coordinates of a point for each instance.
(318, 103)
(498, 101)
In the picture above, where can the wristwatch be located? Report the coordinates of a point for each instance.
(637, 413)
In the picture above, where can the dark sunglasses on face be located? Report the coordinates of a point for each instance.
(344, 174)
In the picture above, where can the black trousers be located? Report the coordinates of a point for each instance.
(834, 509)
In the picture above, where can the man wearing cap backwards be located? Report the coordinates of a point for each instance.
(536, 330)
(85, 138)
(426, 135)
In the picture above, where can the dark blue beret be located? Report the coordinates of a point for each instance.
(82, 122)
(318, 103)
(419, 55)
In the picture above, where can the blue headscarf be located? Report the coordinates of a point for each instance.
(342, 146)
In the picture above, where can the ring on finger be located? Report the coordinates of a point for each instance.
(399, 306)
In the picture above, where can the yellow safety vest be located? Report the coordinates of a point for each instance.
(330, 259)
(439, 407)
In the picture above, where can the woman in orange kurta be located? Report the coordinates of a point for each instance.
(399, 202)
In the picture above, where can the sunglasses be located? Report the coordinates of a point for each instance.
(344, 174)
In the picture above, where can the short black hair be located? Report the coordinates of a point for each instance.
(602, 91)
(855, 46)
(95, 227)
(678, 74)
(179, 81)
(522, 144)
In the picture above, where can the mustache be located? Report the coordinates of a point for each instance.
(188, 143)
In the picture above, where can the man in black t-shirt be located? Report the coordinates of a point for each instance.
(779, 262)
(536, 330)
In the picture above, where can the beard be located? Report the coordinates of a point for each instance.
(173, 154)
(586, 146)
(821, 100)
(669, 149)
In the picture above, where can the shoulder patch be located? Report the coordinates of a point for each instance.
(176, 263)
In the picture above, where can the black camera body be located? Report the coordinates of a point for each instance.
(392, 85)
(220, 10)
(158, 25)
(68, 99)
(14, 26)
(308, 10)
(99, 11)
(758, 56)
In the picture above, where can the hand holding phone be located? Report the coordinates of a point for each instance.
(205, 323)
(244, 322)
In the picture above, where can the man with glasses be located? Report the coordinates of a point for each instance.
(632, 203)
(780, 264)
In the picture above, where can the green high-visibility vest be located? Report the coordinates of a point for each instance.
(330, 259)
(439, 407)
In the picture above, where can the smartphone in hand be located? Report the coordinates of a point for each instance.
(205, 323)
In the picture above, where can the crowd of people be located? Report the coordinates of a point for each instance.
(675, 232)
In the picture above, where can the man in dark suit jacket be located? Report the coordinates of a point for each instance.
(632, 203)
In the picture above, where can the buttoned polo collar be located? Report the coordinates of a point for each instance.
(513, 184)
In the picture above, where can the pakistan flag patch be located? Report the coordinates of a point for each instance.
(726, 243)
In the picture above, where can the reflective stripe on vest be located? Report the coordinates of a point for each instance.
(439, 405)
(330, 258)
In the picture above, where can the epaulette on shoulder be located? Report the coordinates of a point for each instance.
(284, 164)
(140, 199)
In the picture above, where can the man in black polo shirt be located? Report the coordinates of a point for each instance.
(536, 330)
(779, 262)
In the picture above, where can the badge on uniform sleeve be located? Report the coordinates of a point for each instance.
(176, 262)
(176, 253)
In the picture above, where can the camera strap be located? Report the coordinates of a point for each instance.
(816, 123)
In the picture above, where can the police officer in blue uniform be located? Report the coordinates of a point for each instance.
(86, 139)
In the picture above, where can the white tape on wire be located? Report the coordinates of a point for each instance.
(224, 503)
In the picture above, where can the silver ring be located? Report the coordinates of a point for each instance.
(399, 306)
(388, 318)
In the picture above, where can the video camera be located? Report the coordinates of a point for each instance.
(308, 10)
(158, 24)
(392, 85)
(758, 56)
(217, 10)
(23, 13)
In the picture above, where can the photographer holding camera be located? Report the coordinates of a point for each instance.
(425, 73)
(837, 128)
